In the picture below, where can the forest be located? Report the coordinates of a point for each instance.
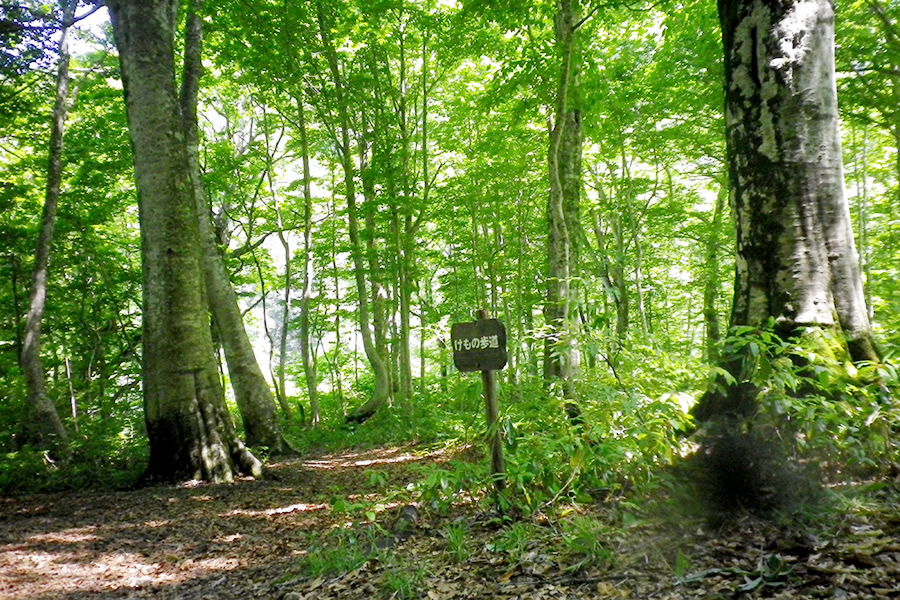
(238, 241)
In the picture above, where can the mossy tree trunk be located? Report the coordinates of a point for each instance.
(44, 427)
(251, 391)
(796, 258)
(561, 356)
(190, 431)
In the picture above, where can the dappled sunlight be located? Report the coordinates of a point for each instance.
(281, 510)
(71, 536)
(165, 540)
(381, 456)
(65, 561)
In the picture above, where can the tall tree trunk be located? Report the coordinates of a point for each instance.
(337, 379)
(560, 351)
(285, 308)
(276, 369)
(613, 278)
(571, 180)
(381, 393)
(796, 259)
(711, 286)
(44, 426)
(405, 247)
(251, 391)
(627, 197)
(796, 256)
(376, 272)
(190, 431)
(623, 303)
(370, 144)
(309, 365)
(426, 188)
(862, 214)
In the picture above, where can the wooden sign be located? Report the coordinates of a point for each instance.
(479, 346)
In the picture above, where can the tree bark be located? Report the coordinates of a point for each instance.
(796, 259)
(251, 391)
(309, 366)
(796, 256)
(560, 350)
(190, 431)
(44, 427)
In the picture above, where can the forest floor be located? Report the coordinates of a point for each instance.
(290, 538)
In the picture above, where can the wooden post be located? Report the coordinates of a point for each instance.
(489, 379)
(481, 346)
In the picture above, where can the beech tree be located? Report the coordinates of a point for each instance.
(251, 391)
(46, 427)
(189, 429)
(796, 258)
(381, 391)
(561, 355)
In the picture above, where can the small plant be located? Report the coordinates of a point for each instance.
(515, 540)
(586, 539)
(376, 479)
(440, 487)
(682, 565)
(404, 581)
(457, 542)
(342, 552)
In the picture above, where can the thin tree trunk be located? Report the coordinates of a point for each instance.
(560, 351)
(276, 369)
(519, 357)
(286, 307)
(711, 287)
(426, 183)
(572, 184)
(406, 247)
(612, 283)
(399, 355)
(381, 393)
(336, 361)
(252, 393)
(862, 216)
(377, 275)
(15, 268)
(623, 303)
(377, 270)
(627, 196)
(309, 365)
(44, 427)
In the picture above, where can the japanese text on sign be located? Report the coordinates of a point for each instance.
(479, 346)
(477, 343)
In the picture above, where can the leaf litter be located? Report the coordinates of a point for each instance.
(330, 527)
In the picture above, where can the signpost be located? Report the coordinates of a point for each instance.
(481, 346)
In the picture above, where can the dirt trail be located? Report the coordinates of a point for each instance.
(191, 541)
(249, 540)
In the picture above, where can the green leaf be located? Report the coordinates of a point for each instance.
(751, 585)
